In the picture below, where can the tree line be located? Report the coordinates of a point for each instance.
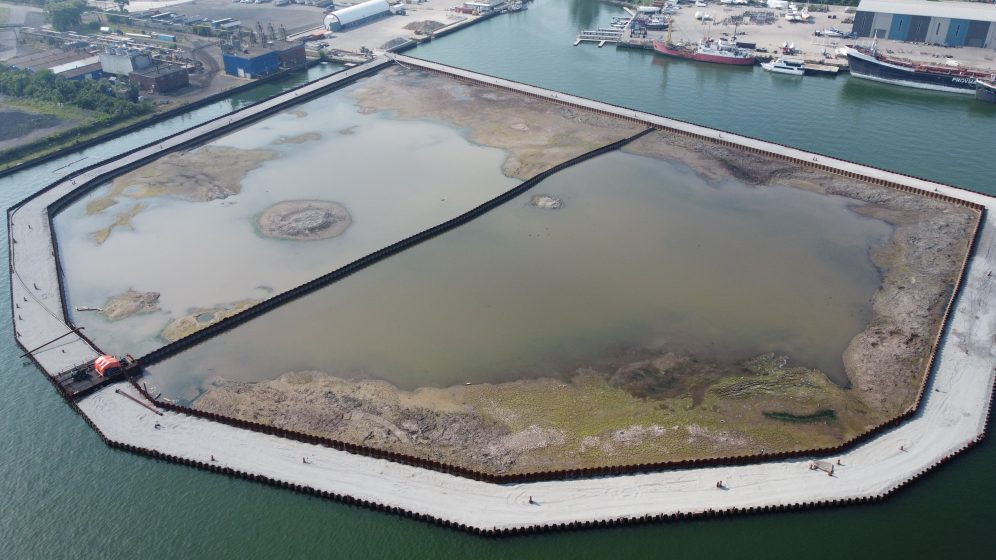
(92, 95)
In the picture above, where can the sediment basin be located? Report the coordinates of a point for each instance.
(661, 313)
(948, 422)
(374, 147)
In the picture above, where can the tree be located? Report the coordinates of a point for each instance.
(121, 4)
(66, 15)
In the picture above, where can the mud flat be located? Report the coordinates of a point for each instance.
(130, 303)
(200, 317)
(200, 175)
(596, 418)
(536, 133)
(304, 220)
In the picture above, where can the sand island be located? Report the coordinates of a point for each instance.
(304, 220)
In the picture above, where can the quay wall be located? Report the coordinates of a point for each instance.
(540, 528)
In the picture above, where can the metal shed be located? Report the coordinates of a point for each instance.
(357, 15)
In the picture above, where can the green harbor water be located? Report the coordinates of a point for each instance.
(63, 494)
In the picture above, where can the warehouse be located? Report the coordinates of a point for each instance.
(356, 15)
(84, 69)
(252, 62)
(160, 78)
(255, 62)
(953, 24)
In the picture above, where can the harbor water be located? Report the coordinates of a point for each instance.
(66, 495)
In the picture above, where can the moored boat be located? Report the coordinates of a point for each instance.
(870, 64)
(784, 66)
(706, 50)
(985, 89)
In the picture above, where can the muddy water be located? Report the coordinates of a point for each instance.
(394, 177)
(643, 255)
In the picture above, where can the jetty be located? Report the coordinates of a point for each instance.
(952, 417)
(600, 36)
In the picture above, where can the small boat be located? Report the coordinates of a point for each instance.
(985, 90)
(784, 66)
(657, 21)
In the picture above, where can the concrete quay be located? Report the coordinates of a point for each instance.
(952, 416)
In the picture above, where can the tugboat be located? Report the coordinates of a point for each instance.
(707, 50)
(985, 89)
(870, 64)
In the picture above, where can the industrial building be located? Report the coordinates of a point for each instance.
(356, 15)
(256, 62)
(123, 61)
(84, 69)
(953, 24)
(47, 59)
(160, 78)
(291, 55)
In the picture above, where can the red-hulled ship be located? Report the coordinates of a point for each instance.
(707, 50)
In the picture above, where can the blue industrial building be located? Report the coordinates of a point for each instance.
(954, 24)
(252, 62)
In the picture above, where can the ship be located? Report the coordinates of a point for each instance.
(707, 50)
(985, 89)
(870, 64)
(785, 66)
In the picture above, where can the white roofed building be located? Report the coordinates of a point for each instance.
(356, 15)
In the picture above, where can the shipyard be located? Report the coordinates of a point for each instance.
(799, 39)
(622, 283)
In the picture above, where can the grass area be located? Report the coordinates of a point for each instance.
(45, 148)
(767, 406)
(61, 111)
(4, 14)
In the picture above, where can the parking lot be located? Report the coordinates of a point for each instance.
(294, 17)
